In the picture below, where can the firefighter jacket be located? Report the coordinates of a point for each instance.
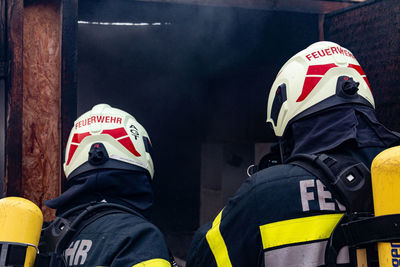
(281, 216)
(118, 239)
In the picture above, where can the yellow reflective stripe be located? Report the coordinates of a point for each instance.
(298, 230)
(217, 244)
(153, 263)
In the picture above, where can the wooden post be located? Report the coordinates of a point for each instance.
(41, 96)
(41, 145)
(321, 22)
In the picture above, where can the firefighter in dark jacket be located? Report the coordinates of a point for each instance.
(108, 161)
(320, 103)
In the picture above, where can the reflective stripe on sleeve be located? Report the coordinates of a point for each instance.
(310, 255)
(298, 230)
(153, 263)
(217, 244)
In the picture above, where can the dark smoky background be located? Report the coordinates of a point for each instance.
(191, 75)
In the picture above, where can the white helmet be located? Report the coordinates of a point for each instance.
(321, 76)
(107, 138)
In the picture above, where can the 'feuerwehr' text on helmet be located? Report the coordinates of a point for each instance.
(107, 138)
(321, 76)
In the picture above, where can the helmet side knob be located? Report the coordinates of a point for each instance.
(97, 154)
(350, 87)
(347, 87)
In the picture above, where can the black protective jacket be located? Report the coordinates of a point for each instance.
(117, 239)
(283, 215)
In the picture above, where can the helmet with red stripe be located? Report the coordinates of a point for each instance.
(319, 77)
(107, 138)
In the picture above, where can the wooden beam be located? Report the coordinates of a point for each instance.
(303, 6)
(69, 55)
(41, 103)
(321, 22)
(13, 172)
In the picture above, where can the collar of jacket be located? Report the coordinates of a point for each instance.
(336, 126)
(129, 188)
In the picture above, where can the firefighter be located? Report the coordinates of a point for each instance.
(107, 205)
(321, 107)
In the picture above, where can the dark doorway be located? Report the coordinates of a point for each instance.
(192, 75)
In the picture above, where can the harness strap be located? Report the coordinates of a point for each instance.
(42, 260)
(12, 254)
(348, 180)
(79, 223)
(362, 231)
(57, 235)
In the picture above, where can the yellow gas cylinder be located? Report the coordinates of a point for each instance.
(20, 224)
(385, 175)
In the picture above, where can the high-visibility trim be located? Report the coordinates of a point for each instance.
(217, 244)
(298, 230)
(153, 263)
(306, 254)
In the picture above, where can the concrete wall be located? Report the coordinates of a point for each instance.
(223, 170)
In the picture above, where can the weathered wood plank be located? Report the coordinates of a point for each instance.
(304, 6)
(41, 102)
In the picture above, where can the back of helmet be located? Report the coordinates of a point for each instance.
(321, 76)
(107, 138)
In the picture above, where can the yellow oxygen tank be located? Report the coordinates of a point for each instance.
(20, 225)
(385, 175)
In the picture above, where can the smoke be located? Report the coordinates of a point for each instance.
(170, 66)
(190, 75)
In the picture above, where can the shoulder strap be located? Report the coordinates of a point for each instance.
(61, 230)
(357, 231)
(348, 180)
(86, 217)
